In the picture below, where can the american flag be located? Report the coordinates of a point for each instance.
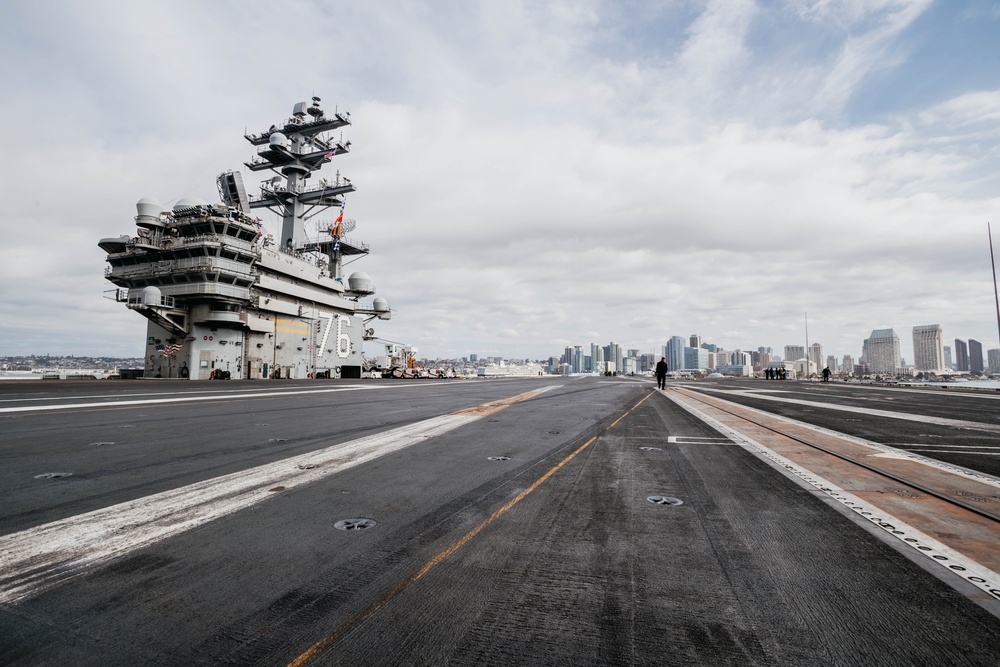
(170, 349)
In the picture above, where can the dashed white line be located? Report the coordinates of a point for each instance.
(939, 553)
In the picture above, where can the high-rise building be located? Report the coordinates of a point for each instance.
(816, 355)
(763, 359)
(765, 350)
(794, 352)
(696, 358)
(675, 353)
(948, 363)
(577, 359)
(695, 340)
(961, 356)
(831, 363)
(473, 358)
(567, 357)
(596, 358)
(928, 348)
(994, 360)
(613, 355)
(975, 356)
(883, 351)
(847, 364)
(711, 347)
(647, 362)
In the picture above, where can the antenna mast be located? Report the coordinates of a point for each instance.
(993, 264)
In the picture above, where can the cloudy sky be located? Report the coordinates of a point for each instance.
(533, 174)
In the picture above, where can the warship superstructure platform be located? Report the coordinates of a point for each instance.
(223, 298)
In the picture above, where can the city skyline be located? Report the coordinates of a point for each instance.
(889, 356)
(530, 174)
(908, 354)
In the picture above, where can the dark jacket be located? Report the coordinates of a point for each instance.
(661, 368)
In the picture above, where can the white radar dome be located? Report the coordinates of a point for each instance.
(148, 207)
(360, 282)
(381, 307)
(151, 296)
(278, 139)
(189, 202)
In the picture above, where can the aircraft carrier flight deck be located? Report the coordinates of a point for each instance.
(535, 521)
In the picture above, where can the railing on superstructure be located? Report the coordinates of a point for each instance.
(187, 265)
(137, 301)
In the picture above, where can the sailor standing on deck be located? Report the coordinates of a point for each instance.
(661, 373)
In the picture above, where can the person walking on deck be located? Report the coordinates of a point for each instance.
(661, 373)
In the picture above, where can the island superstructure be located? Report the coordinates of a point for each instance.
(223, 298)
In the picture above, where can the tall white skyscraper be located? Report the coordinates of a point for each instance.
(831, 363)
(816, 354)
(847, 364)
(928, 348)
(883, 351)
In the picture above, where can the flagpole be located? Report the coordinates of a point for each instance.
(807, 345)
(993, 264)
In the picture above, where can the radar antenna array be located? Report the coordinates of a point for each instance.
(346, 226)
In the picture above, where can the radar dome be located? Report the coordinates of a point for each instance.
(381, 308)
(148, 207)
(151, 296)
(278, 139)
(360, 282)
(188, 202)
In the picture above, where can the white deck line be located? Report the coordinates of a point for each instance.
(887, 450)
(184, 398)
(939, 421)
(906, 535)
(36, 559)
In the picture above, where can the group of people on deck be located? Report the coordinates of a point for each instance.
(769, 373)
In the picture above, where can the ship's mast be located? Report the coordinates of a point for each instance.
(293, 151)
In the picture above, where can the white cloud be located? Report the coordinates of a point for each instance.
(526, 174)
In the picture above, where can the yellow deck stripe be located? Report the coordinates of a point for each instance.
(316, 649)
(492, 407)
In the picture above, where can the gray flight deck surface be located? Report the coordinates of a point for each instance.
(463, 567)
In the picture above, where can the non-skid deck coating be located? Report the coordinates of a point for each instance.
(752, 568)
